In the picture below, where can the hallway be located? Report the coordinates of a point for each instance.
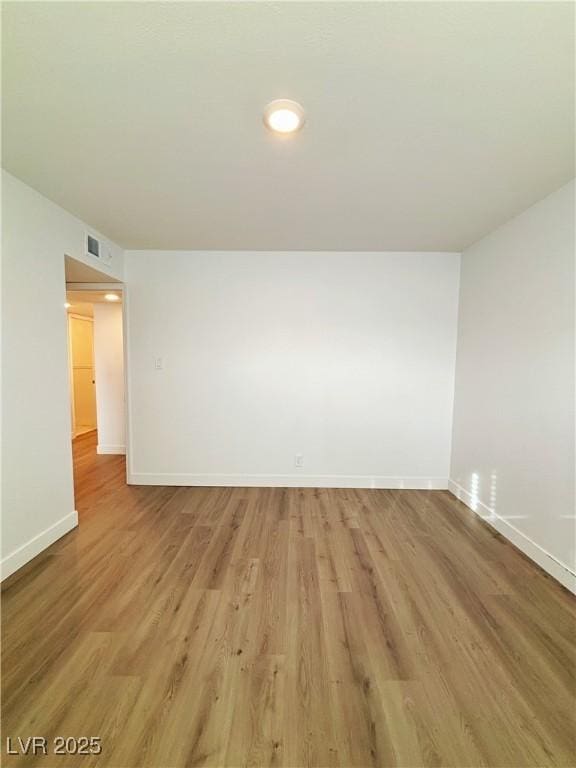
(95, 476)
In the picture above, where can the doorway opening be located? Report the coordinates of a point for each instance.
(96, 371)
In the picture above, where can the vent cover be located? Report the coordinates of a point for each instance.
(93, 246)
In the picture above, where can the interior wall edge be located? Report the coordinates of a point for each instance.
(553, 567)
(37, 544)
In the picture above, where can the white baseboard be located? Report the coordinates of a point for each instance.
(558, 570)
(116, 449)
(30, 549)
(289, 481)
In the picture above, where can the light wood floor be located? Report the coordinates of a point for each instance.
(275, 627)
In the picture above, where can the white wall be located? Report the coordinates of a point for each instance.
(513, 446)
(109, 370)
(345, 358)
(37, 490)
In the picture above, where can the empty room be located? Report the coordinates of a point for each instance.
(288, 384)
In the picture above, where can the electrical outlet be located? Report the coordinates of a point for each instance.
(298, 460)
(158, 363)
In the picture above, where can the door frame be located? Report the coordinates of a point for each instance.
(122, 289)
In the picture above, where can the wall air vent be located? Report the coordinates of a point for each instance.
(93, 246)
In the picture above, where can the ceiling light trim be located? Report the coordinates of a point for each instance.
(284, 117)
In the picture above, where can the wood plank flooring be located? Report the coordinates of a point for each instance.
(285, 627)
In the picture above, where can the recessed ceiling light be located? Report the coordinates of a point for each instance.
(284, 116)
(67, 305)
(111, 297)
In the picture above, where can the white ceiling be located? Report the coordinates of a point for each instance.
(90, 296)
(82, 302)
(428, 123)
(78, 272)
